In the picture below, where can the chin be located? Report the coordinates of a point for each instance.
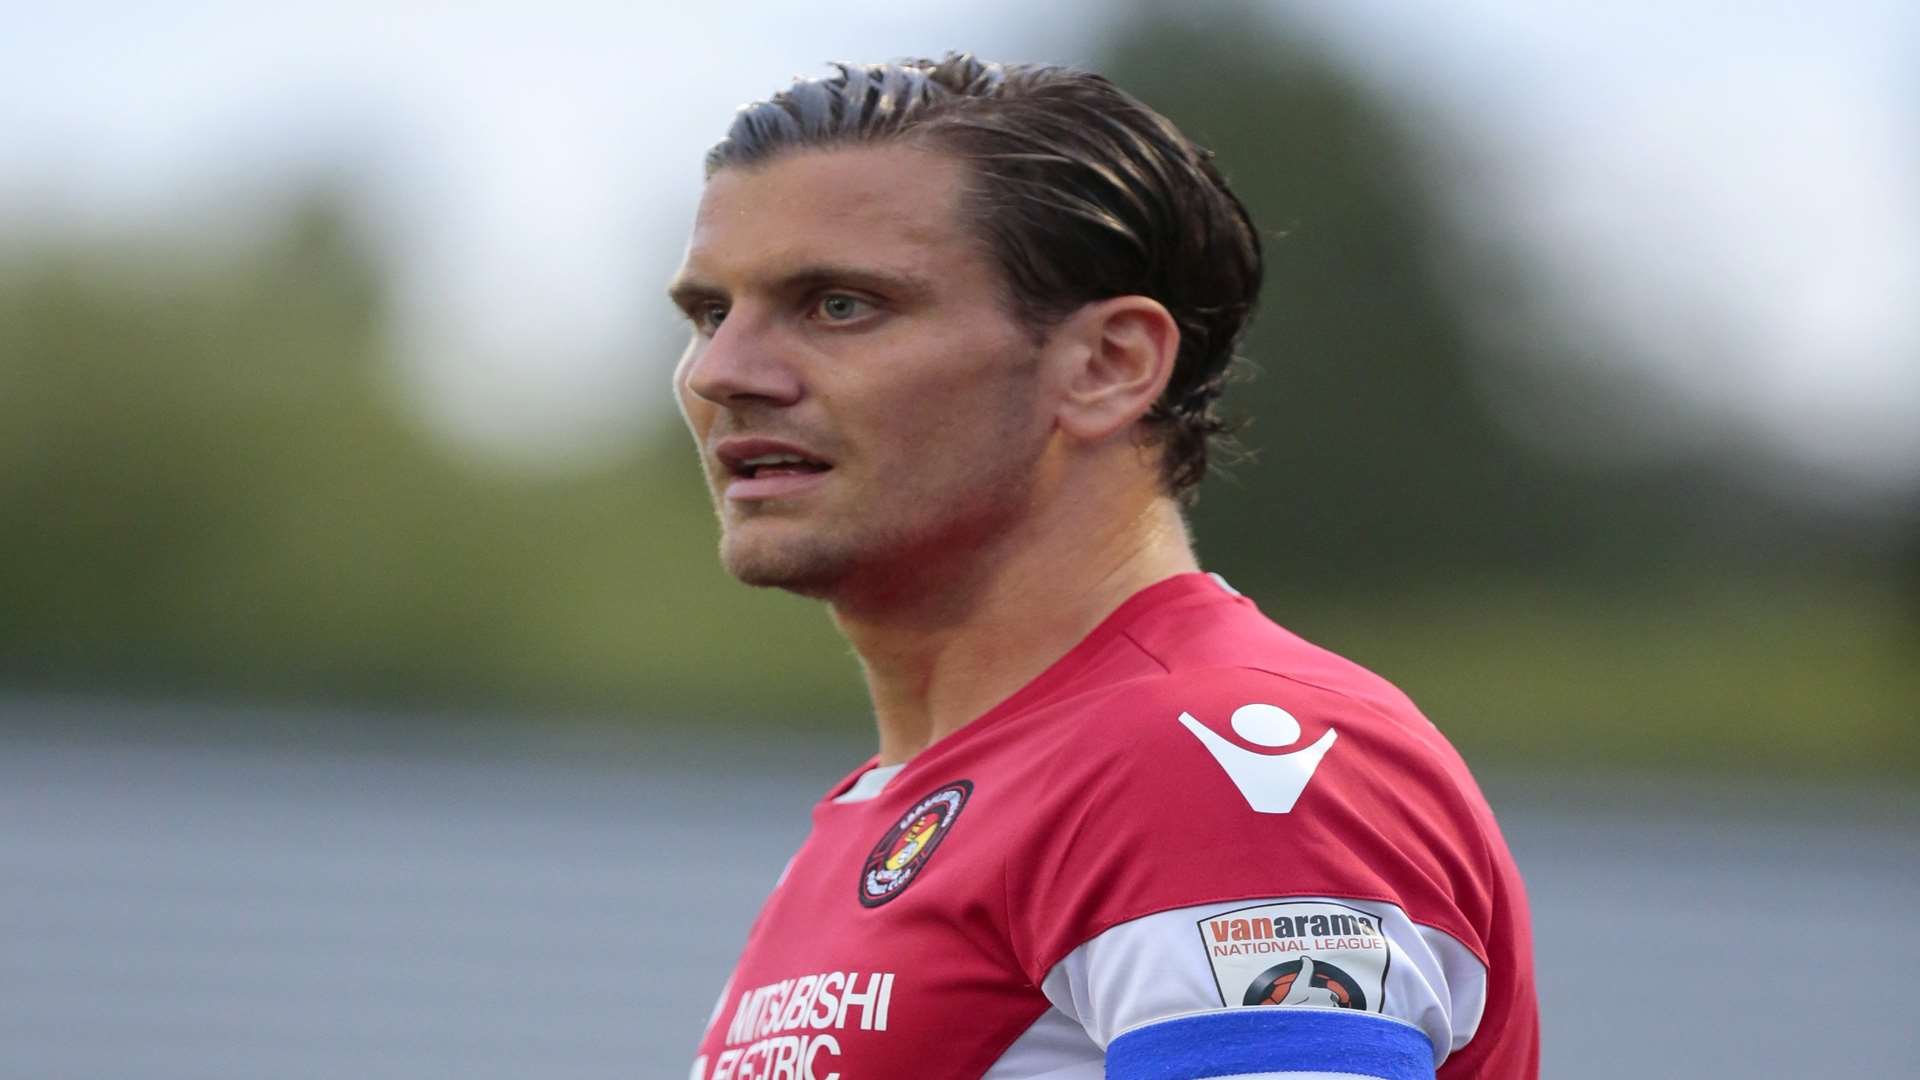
(797, 568)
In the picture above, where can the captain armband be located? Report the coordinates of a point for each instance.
(1272, 1042)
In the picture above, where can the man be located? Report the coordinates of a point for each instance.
(958, 332)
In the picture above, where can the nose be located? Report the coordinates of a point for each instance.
(740, 364)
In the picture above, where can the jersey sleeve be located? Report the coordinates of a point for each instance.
(1236, 838)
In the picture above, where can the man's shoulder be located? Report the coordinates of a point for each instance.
(1251, 763)
(1216, 729)
(1225, 740)
(1221, 784)
(1195, 645)
(1228, 668)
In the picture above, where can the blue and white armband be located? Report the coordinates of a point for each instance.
(1273, 1043)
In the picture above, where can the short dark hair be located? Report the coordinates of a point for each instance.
(1082, 193)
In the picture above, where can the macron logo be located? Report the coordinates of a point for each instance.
(1272, 783)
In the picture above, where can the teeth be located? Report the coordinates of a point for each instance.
(773, 459)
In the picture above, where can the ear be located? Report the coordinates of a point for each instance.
(1114, 358)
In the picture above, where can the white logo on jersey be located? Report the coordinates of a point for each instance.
(1272, 783)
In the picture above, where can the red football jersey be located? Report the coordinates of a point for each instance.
(1193, 809)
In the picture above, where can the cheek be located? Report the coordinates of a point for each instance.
(964, 421)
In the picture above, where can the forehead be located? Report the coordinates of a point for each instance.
(888, 206)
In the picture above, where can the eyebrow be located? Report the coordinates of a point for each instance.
(688, 290)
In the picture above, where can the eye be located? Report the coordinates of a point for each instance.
(707, 317)
(840, 307)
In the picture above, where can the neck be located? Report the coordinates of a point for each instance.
(938, 657)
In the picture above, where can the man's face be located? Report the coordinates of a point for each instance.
(863, 403)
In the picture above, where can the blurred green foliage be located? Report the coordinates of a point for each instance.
(209, 488)
(1370, 404)
(1536, 606)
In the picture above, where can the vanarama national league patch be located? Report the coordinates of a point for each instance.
(900, 856)
(1305, 953)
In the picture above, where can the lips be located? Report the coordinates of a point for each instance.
(759, 468)
(778, 465)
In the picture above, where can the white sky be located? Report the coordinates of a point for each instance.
(1725, 195)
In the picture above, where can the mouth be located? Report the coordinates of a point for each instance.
(772, 465)
(757, 469)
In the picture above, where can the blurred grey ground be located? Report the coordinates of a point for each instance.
(425, 901)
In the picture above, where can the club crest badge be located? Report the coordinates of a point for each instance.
(902, 854)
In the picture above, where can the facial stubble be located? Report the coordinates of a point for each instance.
(887, 540)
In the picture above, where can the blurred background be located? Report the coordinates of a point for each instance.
(371, 702)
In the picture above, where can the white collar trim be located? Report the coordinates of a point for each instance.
(871, 783)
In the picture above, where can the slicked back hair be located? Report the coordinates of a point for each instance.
(1081, 192)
